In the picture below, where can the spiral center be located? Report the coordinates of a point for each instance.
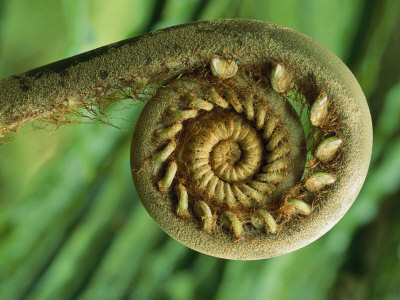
(234, 147)
(221, 146)
(226, 152)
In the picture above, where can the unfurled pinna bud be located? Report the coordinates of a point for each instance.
(230, 221)
(327, 149)
(269, 221)
(169, 176)
(281, 80)
(203, 212)
(264, 219)
(168, 132)
(300, 206)
(198, 103)
(223, 68)
(182, 195)
(318, 181)
(162, 155)
(319, 110)
(179, 115)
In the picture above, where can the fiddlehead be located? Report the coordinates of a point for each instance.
(255, 142)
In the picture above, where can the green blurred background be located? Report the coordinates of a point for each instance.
(71, 224)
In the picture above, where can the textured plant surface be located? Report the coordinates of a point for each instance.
(221, 143)
(231, 147)
(71, 225)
